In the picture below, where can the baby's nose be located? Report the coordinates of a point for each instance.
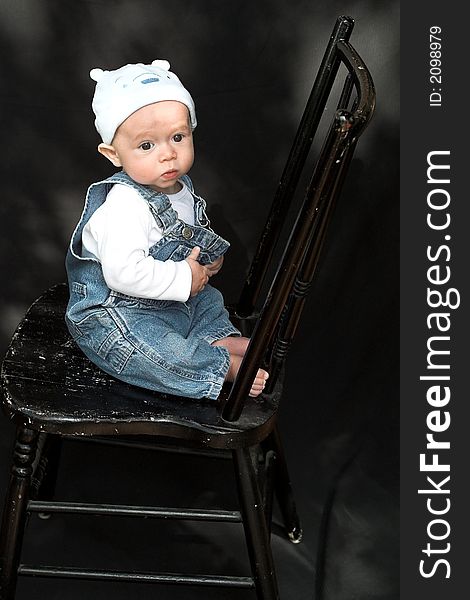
(167, 151)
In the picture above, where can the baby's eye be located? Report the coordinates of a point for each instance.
(146, 146)
(178, 137)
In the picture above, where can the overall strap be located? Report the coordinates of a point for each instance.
(200, 215)
(187, 181)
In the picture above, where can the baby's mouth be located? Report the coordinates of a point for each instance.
(171, 174)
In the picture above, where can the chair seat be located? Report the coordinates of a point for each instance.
(55, 388)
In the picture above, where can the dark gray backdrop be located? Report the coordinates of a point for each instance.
(249, 66)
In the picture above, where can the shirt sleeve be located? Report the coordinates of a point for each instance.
(118, 233)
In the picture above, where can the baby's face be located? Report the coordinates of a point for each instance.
(155, 145)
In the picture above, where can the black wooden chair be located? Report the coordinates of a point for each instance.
(53, 393)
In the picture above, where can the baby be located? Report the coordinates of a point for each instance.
(143, 252)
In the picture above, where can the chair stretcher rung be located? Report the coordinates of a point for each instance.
(150, 445)
(124, 510)
(143, 577)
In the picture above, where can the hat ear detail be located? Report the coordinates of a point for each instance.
(96, 74)
(162, 64)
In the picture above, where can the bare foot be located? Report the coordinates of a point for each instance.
(237, 347)
(259, 381)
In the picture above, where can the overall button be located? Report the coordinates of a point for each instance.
(187, 233)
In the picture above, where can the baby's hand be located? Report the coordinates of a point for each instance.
(199, 273)
(214, 267)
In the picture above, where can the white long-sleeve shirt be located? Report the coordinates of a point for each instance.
(121, 232)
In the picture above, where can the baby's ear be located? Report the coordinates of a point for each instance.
(110, 153)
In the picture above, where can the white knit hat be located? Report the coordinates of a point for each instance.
(120, 93)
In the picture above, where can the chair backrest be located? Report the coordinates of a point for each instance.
(280, 313)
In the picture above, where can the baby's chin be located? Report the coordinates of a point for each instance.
(172, 188)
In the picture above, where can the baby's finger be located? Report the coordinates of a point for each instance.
(194, 254)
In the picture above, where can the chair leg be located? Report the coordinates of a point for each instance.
(14, 513)
(283, 489)
(46, 466)
(254, 522)
(269, 468)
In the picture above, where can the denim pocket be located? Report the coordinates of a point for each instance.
(102, 336)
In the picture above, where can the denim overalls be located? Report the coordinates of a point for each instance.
(161, 345)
